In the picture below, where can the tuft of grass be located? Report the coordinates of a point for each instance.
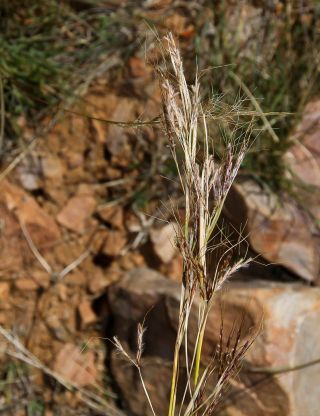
(50, 48)
(16, 391)
(35, 408)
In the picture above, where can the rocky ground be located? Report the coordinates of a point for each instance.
(87, 248)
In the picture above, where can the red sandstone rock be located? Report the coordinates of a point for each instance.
(288, 337)
(277, 229)
(139, 68)
(75, 366)
(97, 281)
(304, 156)
(4, 292)
(86, 314)
(114, 242)
(26, 284)
(52, 167)
(117, 141)
(163, 242)
(77, 212)
(113, 215)
(41, 227)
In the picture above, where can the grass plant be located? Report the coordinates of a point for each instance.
(208, 254)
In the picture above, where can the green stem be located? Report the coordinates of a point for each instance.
(199, 351)
(175, 371)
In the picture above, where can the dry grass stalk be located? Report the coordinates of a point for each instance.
(205, 183)
(136, 362)
(205, 178)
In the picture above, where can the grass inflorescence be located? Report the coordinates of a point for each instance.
(210, 257)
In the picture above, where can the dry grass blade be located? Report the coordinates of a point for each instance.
(268, 126)
(136, 362)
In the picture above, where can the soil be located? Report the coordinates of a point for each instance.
(74, 219)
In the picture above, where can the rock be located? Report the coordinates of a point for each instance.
(41, 278)
(77, 212)
(131, 260)
(57, 329)
(139, 68)
(4, 319)
(20, 412)
(24, 315)
(174, 269)
(117, 140)
(52, 167)
(62, 291)
(129, 305)
(278, 230)
(288, 339)
(75, 279)
(303, 157)
(29, 172)
(156, 4)
(290, 312)
(75, 366)
(114, 242)
(86, 314)
(112, 215)
(26, 284)
(65, 253)
(29, 180)
(177, 23)
(98, 281)
(58, 197)
(11, 253)
(4, 292)
(58, 315)
(102, 107)
(163, 241)
(41, 227)
(133, 223)
(74, 159)
(112, 173)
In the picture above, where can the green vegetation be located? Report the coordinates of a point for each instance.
(274, 52)
(48, 49)
(35, 408)
(17, 392)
